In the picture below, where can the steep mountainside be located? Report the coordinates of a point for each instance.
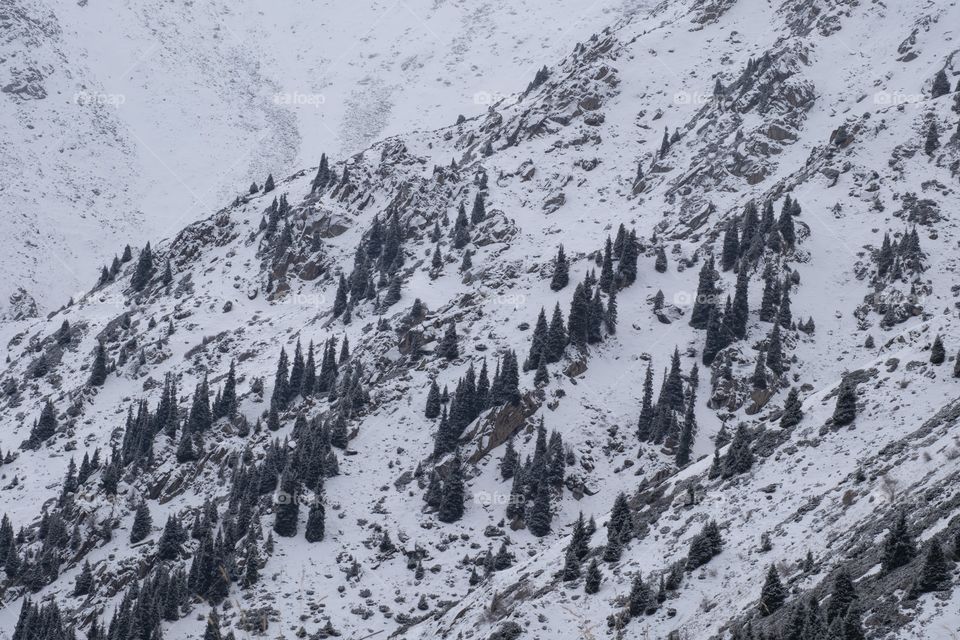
(128, 121)
(747, 383)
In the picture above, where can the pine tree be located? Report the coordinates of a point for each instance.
(268, 186)
(610, 315)
(941, 85)
(538, 342)
(556, 337)
(168, 547)
(433, 401)
(739, 458)
(784, 315)
(937, 353)
(509, 462)
(845, 411)
(287, 507)
(451, 502)
(461, 229)
(479, 212)
(98, 372)
(932, 141)
(594, 577)
(935, 572)
(706, 299)
(687, 434)
(639, 599)
(770, 302)
(740, 311)
(792, 410)
(731, 246)
(561, 273)
(775, 352)
(142, 523)
(843, 594)
(315, 521)
(212, 631)
(84, 583)
(447, 348)
(773, 594)
(571, 567)
(340, 300)
(899, 548)
(540, 516)
(144, 269)
(660, 264)
(606, 267)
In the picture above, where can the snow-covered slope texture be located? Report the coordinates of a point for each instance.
(126, 121)
(798, 158)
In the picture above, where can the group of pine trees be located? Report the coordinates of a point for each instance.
(473, 394)
(671, 421)
(379, 253)
(535, 481)
(897, 259)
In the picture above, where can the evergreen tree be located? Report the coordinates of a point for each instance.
(640, 598)
(510, 461)
(448, 344)
(704, 546)
(144, 269)
(645, 421)
(168, 547)
(739, 458)
(843, 594)
(706, 299)
(44, 427)
(784, 315)
(845, 411)
(461, 229)
(770, 302)
(98, 372)
(287, 507)
(687, 434)
(561, 273)
(775, 352)
(731, 246)
(433, 401)
(479, 212)
(340, 300)
(594, 577)
(937, 353)
(315, 521)
(773, 594)
(792, 411)
(941, 85)
(740, 311)
(84, 584)
(268, 186)
(212, 631)
(142, 523)
(660, 264)
(899, 548)
(935, 572)
(451, 502)
(540, 516)
(932, 141)
(606, 267)
(556, 337)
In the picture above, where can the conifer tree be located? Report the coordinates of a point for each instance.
(770, 302)
(540, 516)
(142, 523)
(935, 572)
(448, 344)
(740, 309)
(594, 577)
(268, 186)
(898, 548)
(731, 246)
(340, 300)
(212, 632)
(845, 411)
(739, 458)
(84, 583)
(932, 141)
(556, 337)
(479, 212)
(941, 85)
(98, 372)
(792, 411)
(687, 434)
(287, 506)
(461, 229)
(168, 547)
(842, 596)
(451, 501)
(606, 267)
(639, 599)
(937, 353)
(144, 269)
(645, 421)
(773, 594)
(775, 352)
(509, 462)
(433, 401)
(315, 521)
(561, 271)
(706, 299)
(660, 264)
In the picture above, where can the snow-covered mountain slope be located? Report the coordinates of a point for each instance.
(124, 122)
(827, 103)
